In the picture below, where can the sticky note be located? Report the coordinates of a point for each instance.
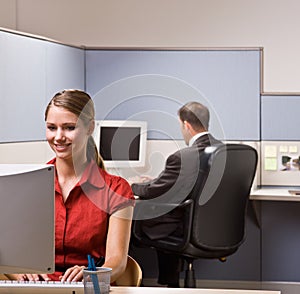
(270, 151)
(283, 149)
(293, 149)
(271, 163)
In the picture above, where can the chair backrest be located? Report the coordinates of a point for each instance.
(224, 183)
(132, 275)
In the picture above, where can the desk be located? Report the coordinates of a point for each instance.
(130, 290)
(158, 290)
(270, 194)
(273, 194)
(276, 213)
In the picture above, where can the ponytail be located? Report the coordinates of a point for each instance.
(93, 153)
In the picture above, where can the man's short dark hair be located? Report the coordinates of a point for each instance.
(196, 114)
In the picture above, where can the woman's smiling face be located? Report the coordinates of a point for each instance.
(66, 133)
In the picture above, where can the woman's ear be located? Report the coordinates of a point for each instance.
(91, 127)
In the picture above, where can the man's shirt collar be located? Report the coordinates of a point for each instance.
(197, 136)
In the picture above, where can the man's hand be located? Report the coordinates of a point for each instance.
(139, 179)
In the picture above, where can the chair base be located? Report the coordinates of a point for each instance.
(189, 279)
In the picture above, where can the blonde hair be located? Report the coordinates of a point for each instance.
(81, 104)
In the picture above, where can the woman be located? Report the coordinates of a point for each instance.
(93, 209)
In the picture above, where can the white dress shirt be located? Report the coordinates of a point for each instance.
(194, 138)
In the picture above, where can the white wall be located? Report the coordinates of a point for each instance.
(26, 152)
(272, 24)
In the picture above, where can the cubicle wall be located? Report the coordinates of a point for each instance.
(31, 71)
(280, 220)
(152, 84)
(129, 84)
(280, 154)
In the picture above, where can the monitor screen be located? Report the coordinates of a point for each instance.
(121, 143)
(27, 218)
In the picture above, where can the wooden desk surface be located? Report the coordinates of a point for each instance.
(158, 290)
(29, 289)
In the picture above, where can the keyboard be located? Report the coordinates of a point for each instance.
(40, 287)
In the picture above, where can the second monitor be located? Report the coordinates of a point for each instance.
(121, 143)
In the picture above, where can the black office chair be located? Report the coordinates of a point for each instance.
(214, 213)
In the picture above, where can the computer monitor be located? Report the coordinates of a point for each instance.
(27, 218)
(122, 144)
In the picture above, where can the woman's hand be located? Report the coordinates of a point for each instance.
(31, 277)
(73, 274)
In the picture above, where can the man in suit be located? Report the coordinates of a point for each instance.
(174, 184)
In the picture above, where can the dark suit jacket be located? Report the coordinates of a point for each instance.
(173, 185)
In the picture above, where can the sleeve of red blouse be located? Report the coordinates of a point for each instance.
(121, 195)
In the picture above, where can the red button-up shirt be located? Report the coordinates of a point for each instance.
(81, 222)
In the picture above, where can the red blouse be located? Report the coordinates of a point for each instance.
(81, 223)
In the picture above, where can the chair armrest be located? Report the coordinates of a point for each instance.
(144, 210)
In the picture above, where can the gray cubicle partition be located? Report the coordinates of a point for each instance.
(280, 220)
(152, 84)
(280, 118)
(280, 136)
(129, 84)
(31, 71)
